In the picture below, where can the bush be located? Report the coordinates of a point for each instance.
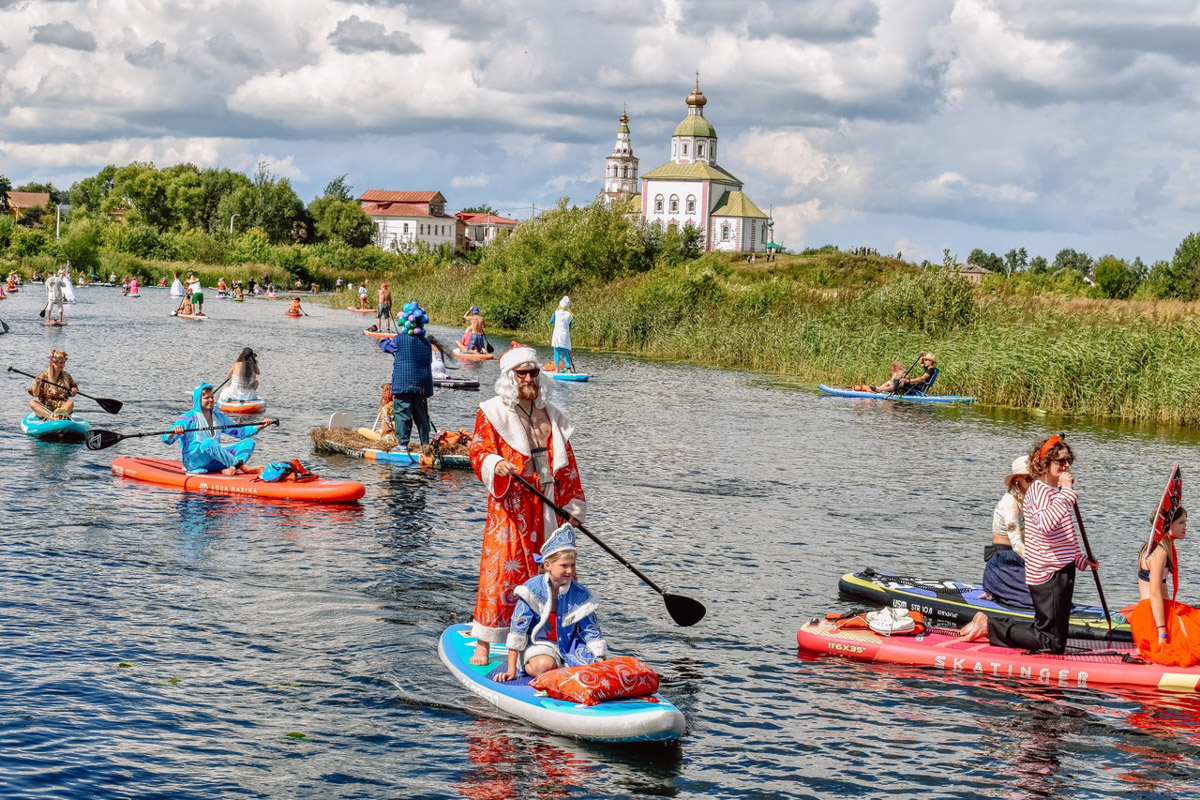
(252, 246)
(194, 244)
(27, 242)
(81, 243)
(933, 301)
(134, 238)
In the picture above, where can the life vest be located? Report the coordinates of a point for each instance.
(885, 621)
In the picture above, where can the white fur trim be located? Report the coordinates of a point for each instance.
(530, 599)
(506, 422)
(488, 474)
(516, 641)
(578, 509)
(486, 634)
(517, 356)
(590, 607)
(599, 648)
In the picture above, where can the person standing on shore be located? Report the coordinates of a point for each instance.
(518, 432)
(560, 340)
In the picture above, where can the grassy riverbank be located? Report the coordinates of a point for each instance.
(839, 319)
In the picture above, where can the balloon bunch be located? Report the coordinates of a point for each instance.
(413, 319)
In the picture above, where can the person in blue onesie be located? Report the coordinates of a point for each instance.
(550, 633)
(199, 435)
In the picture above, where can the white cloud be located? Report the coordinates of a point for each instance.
(469, 181)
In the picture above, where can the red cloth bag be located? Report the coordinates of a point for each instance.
(613, 679)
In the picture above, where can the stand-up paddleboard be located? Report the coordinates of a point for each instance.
(912, 397)
(456, 383)
(396, 457)
(55, 430)
(378, 334)
(191, 316)
(163, 472)
(242, 406)
(948, 602)
(632, 720)
(940, 649)
(568, 376)
(54, 323)
(473, 356)
(361, 310)
(292, 314)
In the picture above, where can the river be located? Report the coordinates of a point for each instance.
(154, 644)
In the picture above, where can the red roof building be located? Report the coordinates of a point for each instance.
(483, 228)
(20, 202)
(403, 220)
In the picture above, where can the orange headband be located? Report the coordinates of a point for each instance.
(1049, 445)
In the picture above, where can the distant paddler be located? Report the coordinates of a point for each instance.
(177, 289)
(560, 340)
(53, 389)
(199, 435)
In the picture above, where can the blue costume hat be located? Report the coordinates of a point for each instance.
(562, 539)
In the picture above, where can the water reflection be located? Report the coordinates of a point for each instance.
(506, 766)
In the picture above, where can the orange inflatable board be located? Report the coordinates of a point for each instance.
(361, 310)
(941, 649)
(242, 406)
(473, 356)
(164, 472)
(379, 334)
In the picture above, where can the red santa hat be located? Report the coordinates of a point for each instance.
(517, 355)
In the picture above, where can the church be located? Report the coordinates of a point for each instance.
(690, 189)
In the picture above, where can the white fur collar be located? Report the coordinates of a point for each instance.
(508, 424)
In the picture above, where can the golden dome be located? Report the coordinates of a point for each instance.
(697, 99)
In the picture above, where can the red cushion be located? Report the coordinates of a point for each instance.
(613, 679)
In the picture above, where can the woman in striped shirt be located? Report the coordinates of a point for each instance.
(1052, 555)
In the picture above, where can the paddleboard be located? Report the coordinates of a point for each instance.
(360, 310)
(473, 356)
(940, 649)
(456, 383)
(632, 720)
(568, 376)
(55, 324)
(164, 472)
(915, 398)
(242, 406)
(292, 314)
(948, 602)
(378, 334)
(55, 430)
(191, 316)
(397, 458)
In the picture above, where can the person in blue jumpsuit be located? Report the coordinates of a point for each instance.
(199, 435)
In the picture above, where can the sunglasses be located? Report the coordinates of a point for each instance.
(1063, 462)
(532, 373)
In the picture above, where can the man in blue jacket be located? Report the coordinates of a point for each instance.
(412, 374)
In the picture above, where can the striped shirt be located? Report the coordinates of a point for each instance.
(1050, 542)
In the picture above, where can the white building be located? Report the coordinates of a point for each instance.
(691, 189)
(621, 168)
(404, 218)
(482, 229)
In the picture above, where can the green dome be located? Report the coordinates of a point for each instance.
(695, 125)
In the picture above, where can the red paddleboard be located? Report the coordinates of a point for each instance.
(360, 310)
(242, 406)
(164, 472)
(378, 334)
(473, 356)
(941, 649)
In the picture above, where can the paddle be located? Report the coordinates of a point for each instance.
(1087, 547)
(487, 343)
(684, 610)
(4, 326)
(111, 406)
(98, 439)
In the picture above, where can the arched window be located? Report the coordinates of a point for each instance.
(699, 150)
(685, 148)
(658, 204)
(674, 149)
(691, 204)
(624, 172)
(725, 232)
(764, 234)
(674, 204)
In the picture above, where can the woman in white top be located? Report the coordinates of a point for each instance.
(560, 340)
(1004, 572)
(243, 378)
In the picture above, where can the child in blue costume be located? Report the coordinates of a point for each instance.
(199, 434)
(547, 634)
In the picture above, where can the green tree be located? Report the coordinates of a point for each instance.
(483, 209)
(338, 188)
(81, 243)
(1038, 265)
(57, 196)
(1114, 278)
(216, 185)
(341, 219)
(1185, 269)
(1015, 261)
(89, 193)
(269, 203)
(142, 189)
(5, 188)
(989, 261)
(1070, 259)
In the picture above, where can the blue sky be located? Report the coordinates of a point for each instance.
(905, 126)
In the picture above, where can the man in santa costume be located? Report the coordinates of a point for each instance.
(518, 432)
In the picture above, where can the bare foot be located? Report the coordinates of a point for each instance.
(975, 629)
(482, 652)
(251, 469)
(229, 471)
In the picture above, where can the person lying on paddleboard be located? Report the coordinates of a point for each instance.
(199, 434)
(554, 621)
(1004, 568)
(1165, 632)
(1052, 555)
(50, 401)
(475, 326)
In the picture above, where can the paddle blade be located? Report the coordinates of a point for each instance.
(99, 439)
(684, 610)
(109, 405)
(490, 349)
(4, 325)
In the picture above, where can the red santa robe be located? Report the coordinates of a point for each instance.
(517, 522)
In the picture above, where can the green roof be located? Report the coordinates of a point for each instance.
(736, 204)
(696, 171)
(695, 125)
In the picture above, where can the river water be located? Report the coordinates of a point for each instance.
(154, 644)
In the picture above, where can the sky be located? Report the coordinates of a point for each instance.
(909, 126)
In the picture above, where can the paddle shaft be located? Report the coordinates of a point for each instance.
(1087, 548)
(562, 512)
(906, 372)
(194, 430)
(59, 385)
